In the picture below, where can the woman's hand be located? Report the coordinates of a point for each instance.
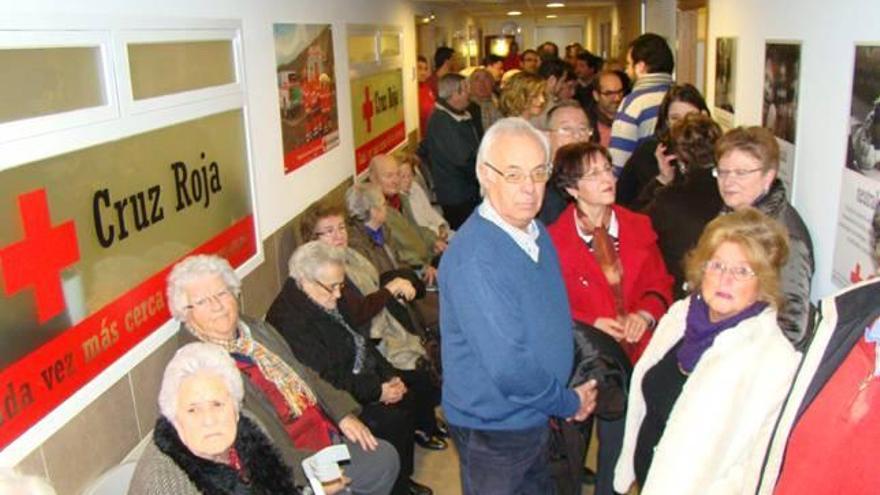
(610, 326)
(336, 486)
(401, 287)
(439, 246)
(392, 391)
(634, 326)
(664, 163)
(355, 431)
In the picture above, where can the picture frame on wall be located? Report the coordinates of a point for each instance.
(781, 89)
(725, 81)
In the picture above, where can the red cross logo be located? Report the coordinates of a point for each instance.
(38, 259)
(367, 109)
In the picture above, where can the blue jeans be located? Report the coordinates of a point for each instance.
(504, 462)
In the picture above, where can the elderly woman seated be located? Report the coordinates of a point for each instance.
(306, 313)
(705, 394)
(300, 412)
(369, 235)
(202, 443)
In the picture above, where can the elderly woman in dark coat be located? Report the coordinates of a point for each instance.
(202, 444)
(306, 313)
(748, 164)
(300, 411)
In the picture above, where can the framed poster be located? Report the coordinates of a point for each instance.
(782, 67)
(306, 92)
(860, 188)
(725, 81)
(377, 115)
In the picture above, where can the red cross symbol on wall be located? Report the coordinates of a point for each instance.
(38, 259)
(367, 109)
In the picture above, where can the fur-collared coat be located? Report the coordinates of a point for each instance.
(168, 467)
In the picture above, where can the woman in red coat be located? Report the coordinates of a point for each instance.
(613, 270)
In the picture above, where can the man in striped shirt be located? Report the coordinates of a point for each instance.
(649, 63)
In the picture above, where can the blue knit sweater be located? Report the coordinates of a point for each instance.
(507, 341)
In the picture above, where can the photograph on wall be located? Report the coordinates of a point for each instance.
(306, 92)
(377, 115)
(860, 187)
(780, 101)
(725, 80)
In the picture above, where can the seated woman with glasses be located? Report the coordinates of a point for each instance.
(705, 394)
(307, 315)
(614, 274)
(300, 411)
(747, 172)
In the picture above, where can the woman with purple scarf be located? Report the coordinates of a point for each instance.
(705, 393)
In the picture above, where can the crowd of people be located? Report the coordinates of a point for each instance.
(568, 234)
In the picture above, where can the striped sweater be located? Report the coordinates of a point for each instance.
(637, 116)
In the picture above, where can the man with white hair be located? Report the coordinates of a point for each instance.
(507, 345)
(451, 144)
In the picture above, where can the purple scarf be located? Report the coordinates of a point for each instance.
(700, 332)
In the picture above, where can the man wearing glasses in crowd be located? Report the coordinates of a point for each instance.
(567, 123)
(507, 344)
(608, 93)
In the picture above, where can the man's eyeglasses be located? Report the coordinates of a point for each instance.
(574, 131)
(737, 174)
(619, 92)
(739, 273)
(218, 298)
(332, 288)
(515, 175)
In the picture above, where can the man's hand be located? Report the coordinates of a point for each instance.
(586, 392)
(634, 326)
(401, 288)
(610, 326)
(430, 275)
(439, 246)
(355, 431)
(336, 486)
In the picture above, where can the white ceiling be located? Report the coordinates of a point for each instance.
(496, 8)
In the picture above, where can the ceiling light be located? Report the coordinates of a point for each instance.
(555, 5)
(552, 16)
(514, 12)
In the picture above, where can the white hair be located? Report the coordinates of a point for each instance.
(449, 84)
(506, 127)
(14, 483)
(311, 257)
(193, 359)
(192, 268)
(360, 198)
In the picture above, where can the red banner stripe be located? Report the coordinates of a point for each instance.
(380, 144)
(60, 367)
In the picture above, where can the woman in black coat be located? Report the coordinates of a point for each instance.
(306, 314)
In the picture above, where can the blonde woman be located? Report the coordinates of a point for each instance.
(523, 96)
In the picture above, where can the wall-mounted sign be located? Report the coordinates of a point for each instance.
(306, 92)
(86, 241)
(860, 188)
(377, 114)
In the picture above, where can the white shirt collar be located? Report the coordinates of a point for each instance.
(588, 237)
(527, 240)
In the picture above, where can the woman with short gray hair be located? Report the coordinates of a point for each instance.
(201, 443)
(301, 412)
(320, 335)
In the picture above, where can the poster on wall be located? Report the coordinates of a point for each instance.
(782, 62)
(87, 240)
(725, 81)
(860, 187)
(306, 92)
(377, 115)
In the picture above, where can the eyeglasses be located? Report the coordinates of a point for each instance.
(332, 231)
(619, 92)
(739, 273)
(216, 298)
(333, 288)
(574, 131)
(597, 173)
(737, 174)
(515, 175)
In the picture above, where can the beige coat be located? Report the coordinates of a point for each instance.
(720, 425)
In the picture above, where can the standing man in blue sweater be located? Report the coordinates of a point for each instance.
(507, 341)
